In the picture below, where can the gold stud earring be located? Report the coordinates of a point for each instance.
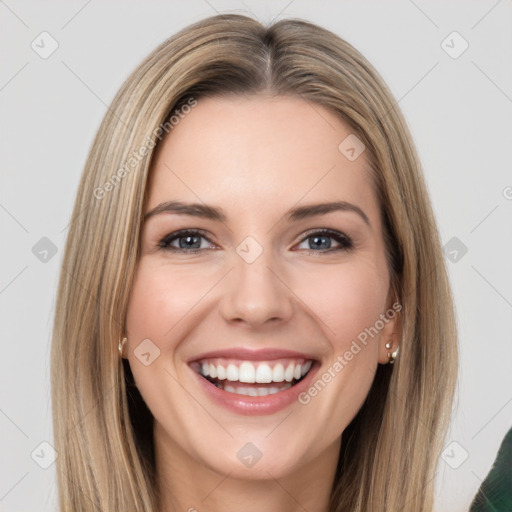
(121, 346)
(392, 357)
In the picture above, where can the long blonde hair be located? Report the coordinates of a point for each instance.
(102, 427)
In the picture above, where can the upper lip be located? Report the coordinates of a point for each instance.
(266, 354)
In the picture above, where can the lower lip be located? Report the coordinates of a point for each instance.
(256, 405)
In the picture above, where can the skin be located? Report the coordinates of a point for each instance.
(256, 157)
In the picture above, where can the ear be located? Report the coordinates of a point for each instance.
(391, 333)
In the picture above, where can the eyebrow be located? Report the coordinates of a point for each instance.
(214, 213)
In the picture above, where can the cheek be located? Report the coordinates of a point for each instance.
(348, 305)
(347, 299)
(161, 297)
(160, 308)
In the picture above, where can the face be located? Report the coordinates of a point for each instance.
(249, 319)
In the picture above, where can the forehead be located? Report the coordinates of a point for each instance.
(259, 153)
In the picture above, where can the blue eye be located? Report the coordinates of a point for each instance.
(320, 241)
(191, 241)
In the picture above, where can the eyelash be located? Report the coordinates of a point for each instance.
(345, 242)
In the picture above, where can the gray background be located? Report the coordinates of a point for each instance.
(459, 111)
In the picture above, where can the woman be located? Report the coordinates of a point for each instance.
(253, 311)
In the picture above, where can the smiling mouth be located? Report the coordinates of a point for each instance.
(251, 378)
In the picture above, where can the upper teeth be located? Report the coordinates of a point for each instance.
(247, 371)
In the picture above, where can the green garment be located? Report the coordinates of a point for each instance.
(495, 493)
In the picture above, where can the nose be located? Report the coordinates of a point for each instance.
(256, 293)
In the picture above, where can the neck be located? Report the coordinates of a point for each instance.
(186, 485)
